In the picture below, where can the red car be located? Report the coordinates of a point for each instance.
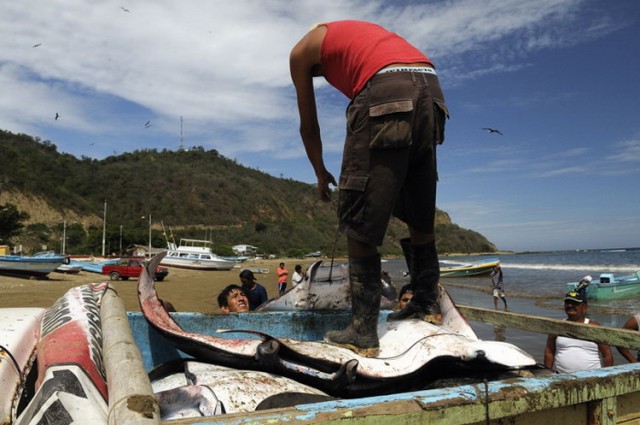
(131, 267)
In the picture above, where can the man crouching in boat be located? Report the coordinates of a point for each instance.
(395, 120)
(232, 299)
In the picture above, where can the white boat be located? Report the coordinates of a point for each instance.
(195, 254)
(35, 265)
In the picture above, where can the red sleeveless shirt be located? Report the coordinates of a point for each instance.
(353, 51)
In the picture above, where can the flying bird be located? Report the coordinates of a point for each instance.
(57, 116)
(124, 9)
(492, 130)
(37, 45)
(147, 124)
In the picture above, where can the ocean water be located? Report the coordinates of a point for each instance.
(535, 284)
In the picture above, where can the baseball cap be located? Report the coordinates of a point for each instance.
(574, 296)
(247, 274)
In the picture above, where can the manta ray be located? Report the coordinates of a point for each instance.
(325, 288)
(412, 352)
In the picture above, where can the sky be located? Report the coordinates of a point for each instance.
(558, 79)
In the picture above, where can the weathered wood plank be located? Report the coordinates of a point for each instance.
(616, 337)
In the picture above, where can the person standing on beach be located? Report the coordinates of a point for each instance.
(568, 355)
(256, 293)
(298, 276)
(498, 287)
(282, 273)
(633, 324)
(395, 119)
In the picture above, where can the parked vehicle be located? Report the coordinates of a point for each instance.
(131, 267)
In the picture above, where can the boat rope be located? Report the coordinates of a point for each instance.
(335, 242)
(486, 400)
(3, 350)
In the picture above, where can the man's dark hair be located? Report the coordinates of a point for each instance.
(222, 297)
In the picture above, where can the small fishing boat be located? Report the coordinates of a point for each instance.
(470, 269)
(93, 265)
(610, 287)
(195, 254)
(35, 265)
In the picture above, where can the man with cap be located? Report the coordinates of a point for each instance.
(256, 293)
(567, 355)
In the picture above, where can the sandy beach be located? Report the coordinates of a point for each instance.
(187, 290)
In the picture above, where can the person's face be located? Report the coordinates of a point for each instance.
(574, 310)
(404, 299)
(237, 302)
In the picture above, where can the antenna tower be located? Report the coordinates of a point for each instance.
(181, 142)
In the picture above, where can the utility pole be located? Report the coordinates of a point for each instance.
(104, 228)
(64, 235)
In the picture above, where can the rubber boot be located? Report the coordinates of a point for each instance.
(361, 335)
(424, 269)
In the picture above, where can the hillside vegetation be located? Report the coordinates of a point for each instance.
(195, 193)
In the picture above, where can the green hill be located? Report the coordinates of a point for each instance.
(194, 193)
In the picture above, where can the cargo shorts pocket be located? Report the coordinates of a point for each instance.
(391, 124)
(441, 114)
(352, 202)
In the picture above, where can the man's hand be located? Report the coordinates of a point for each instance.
(324, 179)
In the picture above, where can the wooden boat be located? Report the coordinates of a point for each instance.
(195, 254)
(470, 269)
(611, 287)
(132, 354)
(19, 331)
(33, 265)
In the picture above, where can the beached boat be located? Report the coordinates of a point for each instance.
(470, 269)
(195, 254)
(31, 265)
(116, 374)
(93, 265)
(611, 287)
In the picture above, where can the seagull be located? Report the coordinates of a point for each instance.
(147, 124)
(57, 116)
(37, 45)
(126, 10)
(492, 130)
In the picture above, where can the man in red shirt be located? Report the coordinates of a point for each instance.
(282, 273)
(394, 122)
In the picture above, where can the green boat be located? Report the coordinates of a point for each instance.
(610, 287)
(470, 269)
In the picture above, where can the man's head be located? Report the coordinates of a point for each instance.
(298, 268)
(406, 293)
(575, 305)
(247, 278)
(232, 299)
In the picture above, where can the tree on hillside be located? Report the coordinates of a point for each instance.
(11, 222)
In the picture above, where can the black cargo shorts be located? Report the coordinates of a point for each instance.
(389, 160)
